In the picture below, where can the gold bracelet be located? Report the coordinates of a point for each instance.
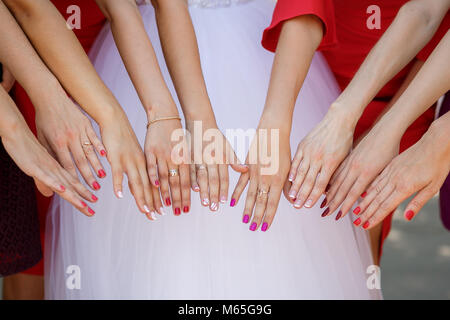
(163, 119)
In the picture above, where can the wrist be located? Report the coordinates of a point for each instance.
(160, 110)
(347, 113)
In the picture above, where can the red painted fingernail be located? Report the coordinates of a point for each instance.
(364, 194)
(357, 222)
(246, 218)
(264, 227)
(338, 216)
(91, 211)
(324, 203)
(168, 203)
(325, 212)
(96, 186)
(83, 204)
(409, 215)
(156, 182)
(295, 199)
(366, 225)
(94, 198)
(186, 209)
(101, 173)
(62, 188)
(177, 211)
(232, 202)
(103, 153)
(357, 210)
(253, 226)
(327, 188)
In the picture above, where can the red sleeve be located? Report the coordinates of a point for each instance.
(288, 9)
(440, 33)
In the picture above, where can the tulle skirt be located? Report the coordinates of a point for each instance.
(119, 254)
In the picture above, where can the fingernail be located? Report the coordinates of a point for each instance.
(366, 225)
(168, 203)
(146, 209)
(153, 215)
(186, 209)
(177, 211)
(357, 210)
(157, 183)
(364, 194)
(233, 202)
(323, 204)
(223, 199)
(62, 188)
(246, 218)
(357, 222)
(161, 210)
(96, 186)
(205, 201)
(308, 203)
(409, 215)
(94, 198)
(325, 212)
(92, 212)
(297, 203)
(83, 204)
(196, 188)
(264, 227)
(214, 206)
(101, 173)
(338, 216)
(327, 188)
(103, 153)
(291, 177)
(292, 194)
(253, 226)
(120, 194)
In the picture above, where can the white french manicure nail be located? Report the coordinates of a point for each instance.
(163, 213)
(153, 215)
(223, 199)
(205, 201)
(308, 204)
(120, 194)
(146, 209)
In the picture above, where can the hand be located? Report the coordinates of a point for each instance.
(67, 134)
(317, 157)
(361, 167)
(49, 176)
(210, 177)
(159, 147)
(8, 80)
(266, 177)
(422, 169)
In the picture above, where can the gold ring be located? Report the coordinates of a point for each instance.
(173, 172)
(87, 143)
(261, 192)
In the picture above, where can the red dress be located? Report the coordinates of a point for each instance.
(92, 21)
(346, 42)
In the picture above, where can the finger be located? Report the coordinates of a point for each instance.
(322, 180)
(175, 189)
(295, 163)
(202, 179)
(213, 182)
(303, 169)
(83, 165)
(185, 187)
(260, 206)
(306, 187)
(152, 169)
(65, 159)
(137, 188)
(286, 188)
(224, 183)
(89, 151)
(353, 195)
(372, 192)
(250, 202)
(417, 203)
(374, 206)
(239, 188)
(193, 173)
(117, 173)
(389, 205)
(96, 142)
(157, 201)
(163, 173)
(74, 183)
(339, 189)
(271, 207)
(148, 193)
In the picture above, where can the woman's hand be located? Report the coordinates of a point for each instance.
(361, 167)
(422, 169)
(7, 79)
(68, 135)
(168, 168)
(266, 177)
(317, 157)
(210, 177)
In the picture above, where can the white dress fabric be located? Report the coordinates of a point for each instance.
(120, 254)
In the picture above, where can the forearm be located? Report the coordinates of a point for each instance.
(412, 28)
(299, 39)
(139, 57)
(184, 65)
(11, 119)
(57, 45)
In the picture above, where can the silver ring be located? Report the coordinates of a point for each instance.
(173, 172)
(261, 192)
(87, 143)
(201, 167)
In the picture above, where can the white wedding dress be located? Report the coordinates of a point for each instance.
(120, 254)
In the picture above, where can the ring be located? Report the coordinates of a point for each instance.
(87, 143)
(201, 167)
(261, 192)
(173, 172)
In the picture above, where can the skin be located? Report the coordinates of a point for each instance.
(299, 39)
(56, 45)
(8, 80)
(327, 145)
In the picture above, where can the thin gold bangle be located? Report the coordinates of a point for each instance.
(163, 119)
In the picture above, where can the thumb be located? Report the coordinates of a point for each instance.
(417, 203)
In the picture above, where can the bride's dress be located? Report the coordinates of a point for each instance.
(205, 255)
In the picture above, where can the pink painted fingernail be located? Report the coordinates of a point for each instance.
(92, 212)
(101, 173)
(233, 202)
(177, 211)
(264, 227)
(168, 202)
(83, 204)
(96, 186)
(246, 218)
(94, 198)
(357, 222)
(103, 153)
(157, 183)
(62, 188)
(409, 215)
(186, 209)
(357, 210)
(366, 225)
(253, 226)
